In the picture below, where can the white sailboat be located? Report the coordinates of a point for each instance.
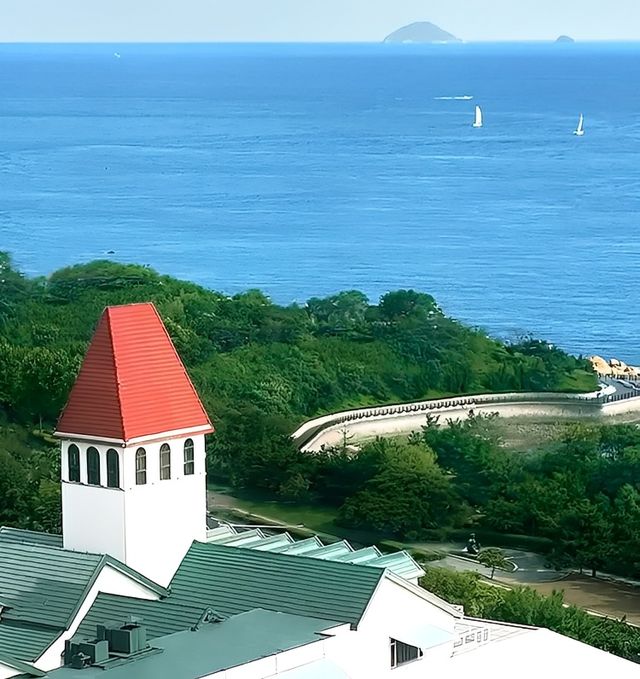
(579, 131)
(478, 121)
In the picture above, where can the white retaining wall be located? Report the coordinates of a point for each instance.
(365, 423)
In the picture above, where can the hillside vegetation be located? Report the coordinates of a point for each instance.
(260, 368)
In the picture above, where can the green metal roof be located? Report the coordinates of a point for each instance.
(159, 617)
(42, 587)
(215, 647)
(30, 537)
(232, 580)
(25, 669)
(25, 642)
(401, 563)
(43, 584)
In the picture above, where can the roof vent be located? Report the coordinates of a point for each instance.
(113, 643)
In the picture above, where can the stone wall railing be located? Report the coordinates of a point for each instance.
(312, 428)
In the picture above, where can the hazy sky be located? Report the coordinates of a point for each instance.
(312, 20)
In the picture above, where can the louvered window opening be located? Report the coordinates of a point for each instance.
(73, 461)
(93, 466)
(189, 465)
(165, 462)
(141, 467)
(401, 653)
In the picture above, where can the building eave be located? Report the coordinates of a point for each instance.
(23, 667)
(137, 440)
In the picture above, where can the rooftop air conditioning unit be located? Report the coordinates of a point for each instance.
(124, 639)
(84, 652)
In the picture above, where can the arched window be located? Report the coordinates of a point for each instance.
(93, 466)
(188, 457)
(165, 462)
(113, 469)
(141, 467)
(73, 462)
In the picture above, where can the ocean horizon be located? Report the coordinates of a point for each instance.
(306, 169)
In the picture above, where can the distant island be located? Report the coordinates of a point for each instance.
(421, 31)
(565, 39)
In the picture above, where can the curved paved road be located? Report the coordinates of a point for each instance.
(531, 567)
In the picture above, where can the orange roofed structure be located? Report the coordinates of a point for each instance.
(132, 384)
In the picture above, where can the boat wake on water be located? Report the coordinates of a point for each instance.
(463, 97)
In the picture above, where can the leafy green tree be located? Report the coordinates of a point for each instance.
(47, 510)
(408, 495)
(464, 589)
(525, 606)
(341, 314)
(493, 558)
(405, 304)
(15, 492)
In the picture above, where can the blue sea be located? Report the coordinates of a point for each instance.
(308, 169)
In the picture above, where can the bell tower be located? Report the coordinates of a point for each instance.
(133, 451)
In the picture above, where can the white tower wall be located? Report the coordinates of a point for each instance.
(149, 526)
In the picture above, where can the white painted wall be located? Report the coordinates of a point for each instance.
(394, 609)
(6, 671)
(277, 664)
(110, 581)
(93, 519)
(149, 527)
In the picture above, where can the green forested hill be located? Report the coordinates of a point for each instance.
(260, 368)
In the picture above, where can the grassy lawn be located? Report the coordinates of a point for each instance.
(579, 381)
(318, 518)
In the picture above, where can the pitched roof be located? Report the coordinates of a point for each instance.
(31, 537)
(25, 669)
(401, 563)
(43, 586)
(231, 581)
(162, 617)
(132, 382)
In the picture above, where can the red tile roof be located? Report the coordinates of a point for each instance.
(132, 382)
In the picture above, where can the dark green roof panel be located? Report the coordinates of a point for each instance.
(231, 581)
(43, 585)
(30, 537)
(25, 669)
(25, 643)
(159, 617)
(214, 647)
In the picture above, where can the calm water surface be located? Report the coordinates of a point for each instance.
(304, 170)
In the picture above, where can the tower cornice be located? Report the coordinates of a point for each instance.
(140, 440)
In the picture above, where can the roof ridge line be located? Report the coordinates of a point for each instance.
(180, 361)
(297, 557)
(107, 314)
